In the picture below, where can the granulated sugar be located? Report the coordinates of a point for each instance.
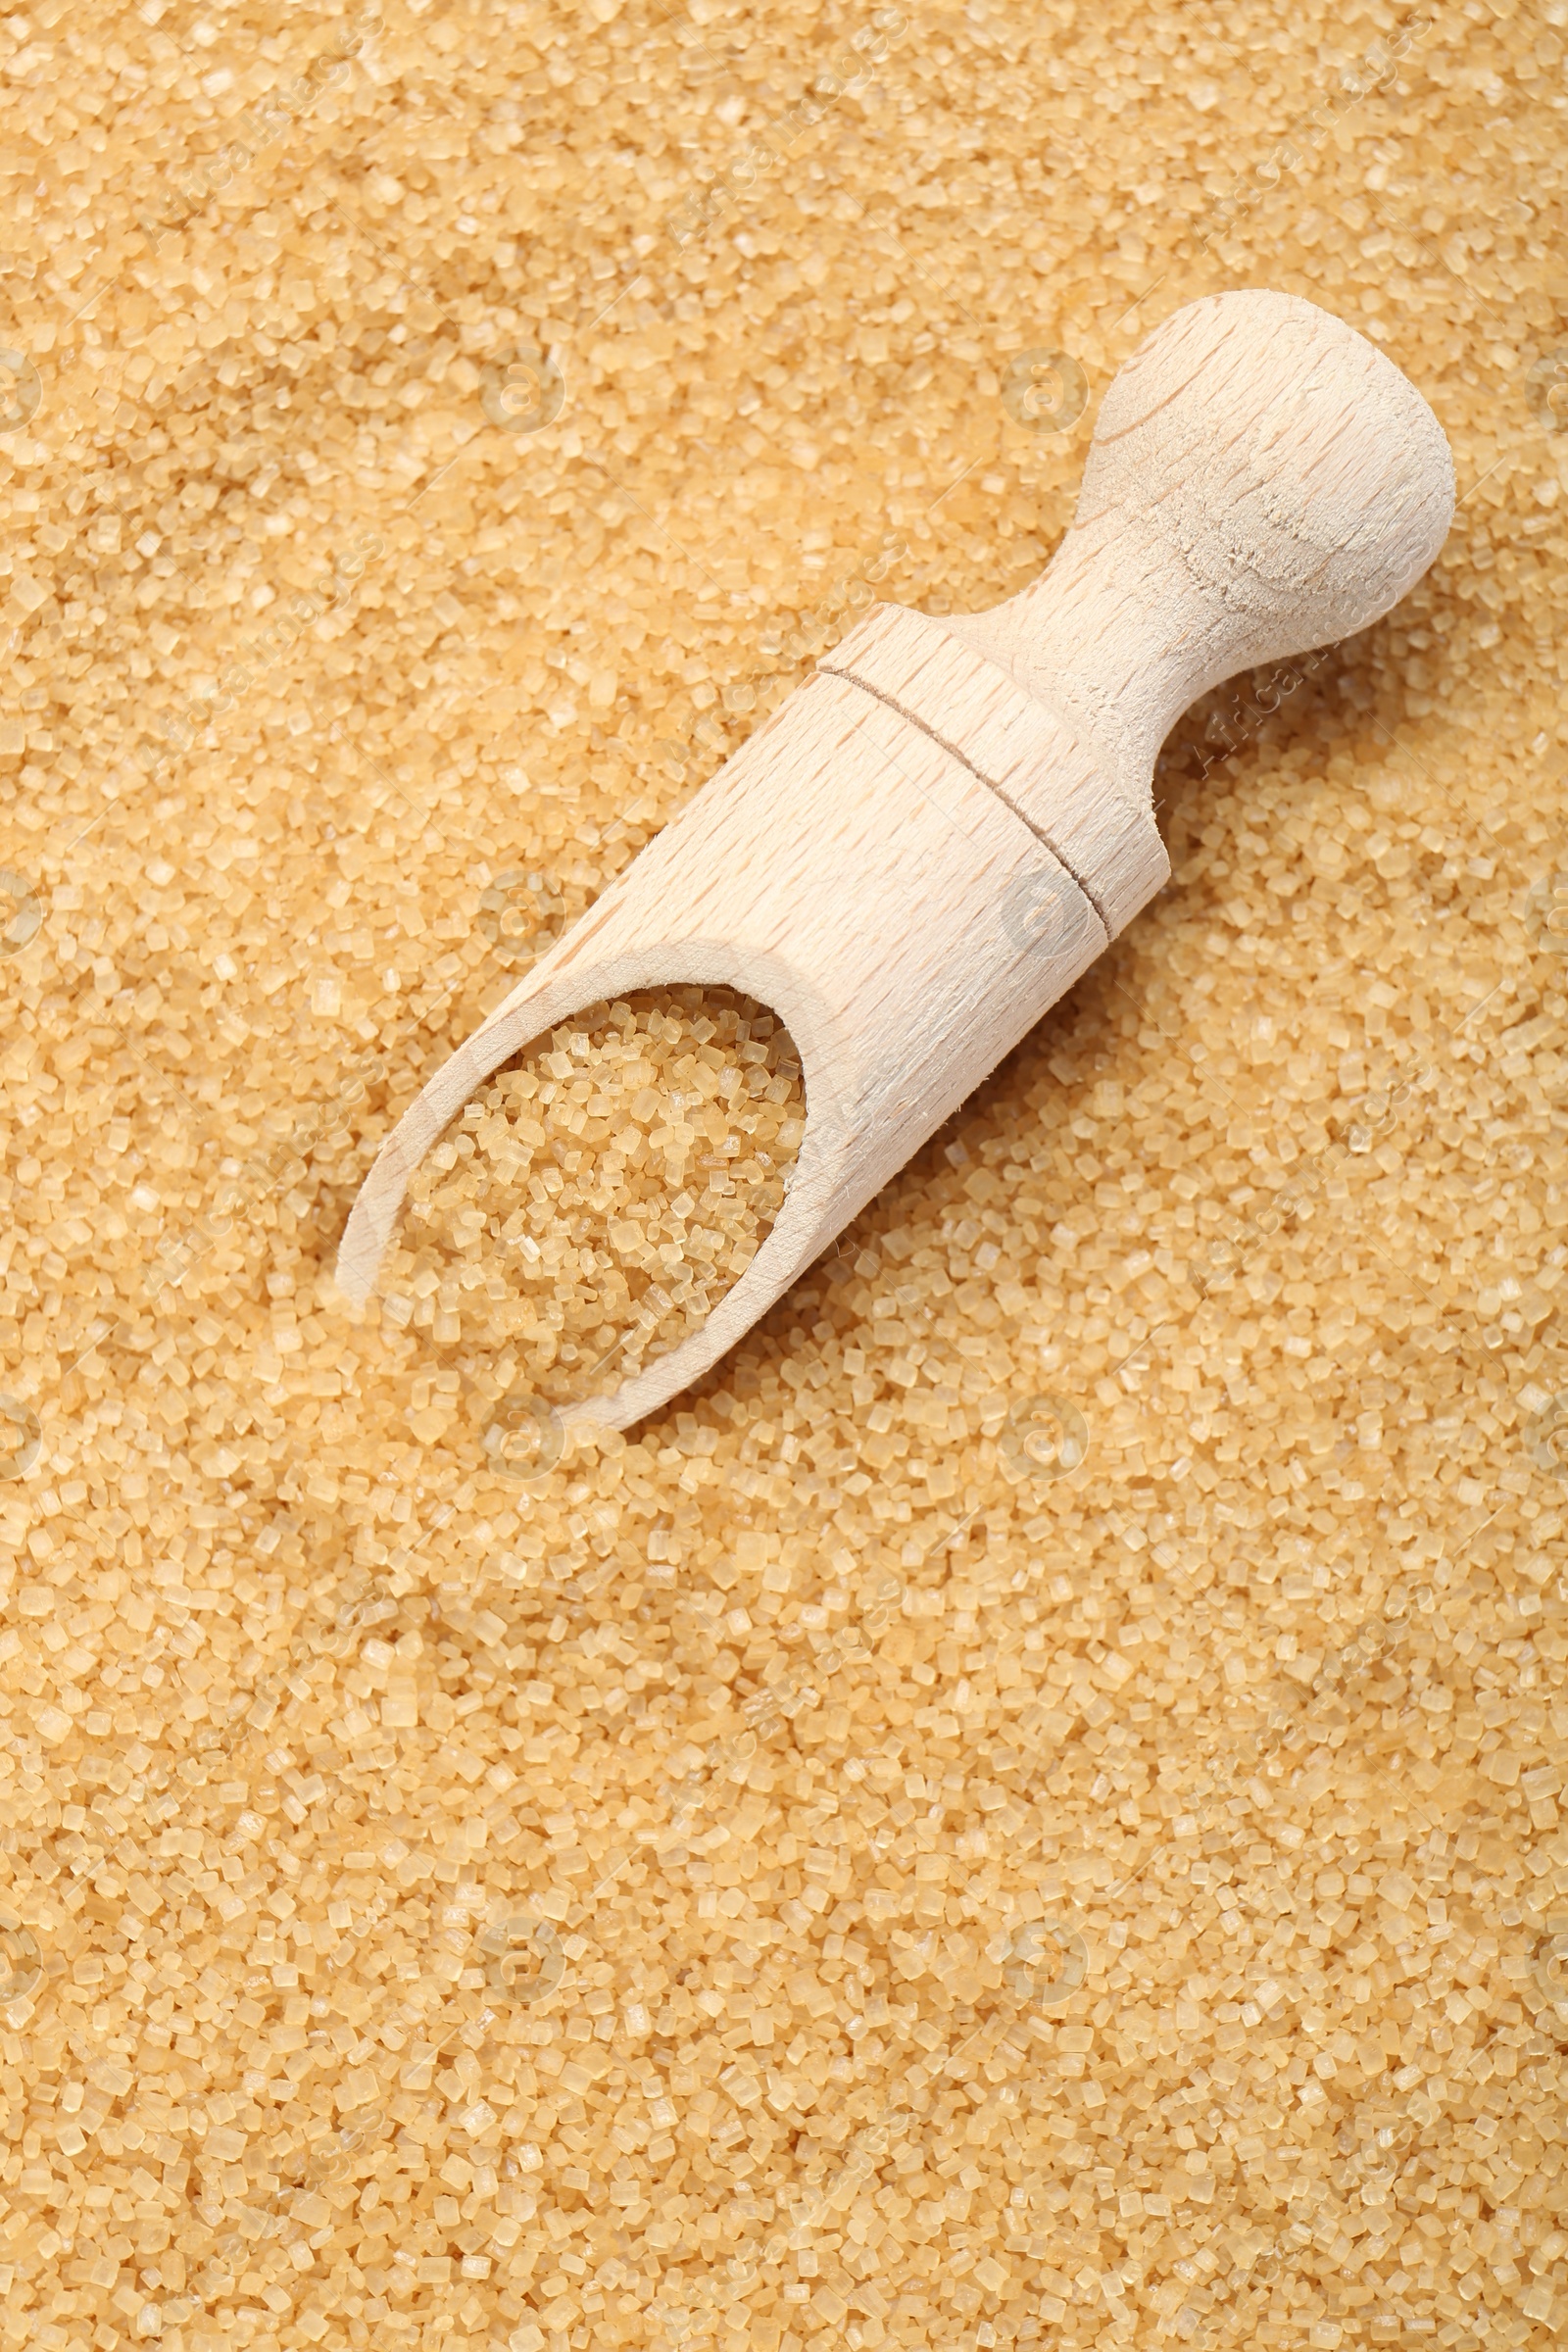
(599, 1196)
(1027, 1809)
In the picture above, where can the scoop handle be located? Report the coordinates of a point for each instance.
(1262, 479)
(944, 827)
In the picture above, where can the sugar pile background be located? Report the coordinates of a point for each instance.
(810, 1728)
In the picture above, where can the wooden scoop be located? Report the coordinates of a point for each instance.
(946, 824)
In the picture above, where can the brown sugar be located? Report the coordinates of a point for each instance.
(601, 1193)
(633, 1908)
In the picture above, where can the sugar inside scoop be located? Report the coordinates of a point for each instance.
(601, 1193)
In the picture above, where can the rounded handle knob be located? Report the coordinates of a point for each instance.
(1261, 479)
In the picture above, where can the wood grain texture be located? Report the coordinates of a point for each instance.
(1038, 762)
(1261, 480)
(932, 839)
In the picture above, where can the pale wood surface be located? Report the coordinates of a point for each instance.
(930, 841)
(1031, 757)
